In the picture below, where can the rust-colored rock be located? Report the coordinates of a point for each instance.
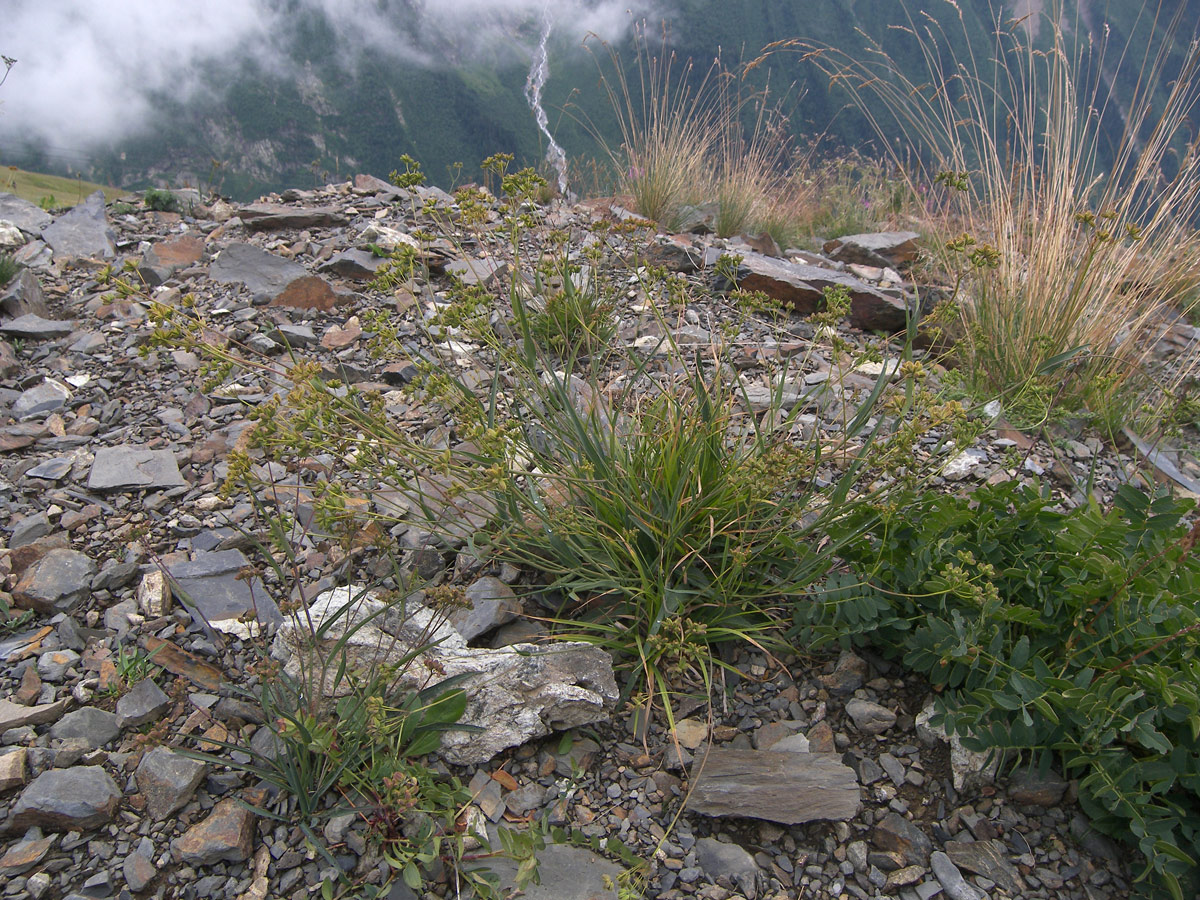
(308, 292)
(180, 662)
(183, 251)
(227, 835)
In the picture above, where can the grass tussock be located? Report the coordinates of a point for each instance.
(1065, 262)
(718, 142)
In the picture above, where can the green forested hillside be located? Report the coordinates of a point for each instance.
(260, 129)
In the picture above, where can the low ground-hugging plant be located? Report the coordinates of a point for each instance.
(1069, 635)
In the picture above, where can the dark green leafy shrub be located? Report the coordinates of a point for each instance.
(1052, 633)
(160, 200)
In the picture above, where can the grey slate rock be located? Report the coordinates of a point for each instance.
(477, 271)
(951, 880)
(52, 469)
(23, 296)
(82, 231)
(29, 217)
(53, 665)
(41, 399)
(848, 675)
(167, 780)
(1029, 787)
(139, 871)
(898, 835)
(95, 726)
(272, 216)
(566, 872)
(869, 717)
(359, 265)
(718, 858)
(800, 286)
(789, 788)
(56, 582)
(31, 327)
(210, 585)
(986, 858)
(492, 603)
(126, 467)
(72, 799)
(28, 530)
(264, 274)
(880, 248)
(145, 702)
(294, 335)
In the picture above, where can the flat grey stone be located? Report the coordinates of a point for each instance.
(52, 469)
(893, 767)
(896, 834)
(359, 265)
(789, 788)
(209, 586)
(167, 780)
(35, 255)
(951, 880)
(53, 665)
(139, 871)
(29, 217)
(82, 231)
(800, 286)
(29, 529)
(264, 274)
(271, 216)
(56, 582)
(145, 702)
(492, 603)
(879, 248)
(41, 399)
(14, 715)
(72, 799)
(23, 296)
(869, 717)
(295, 335)
(95, 726)
(986, 858)
(32, 327)
(477, 271)
(566, 873)
(718, 858)
(126, 467)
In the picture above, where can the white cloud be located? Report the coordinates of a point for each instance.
(87, 71)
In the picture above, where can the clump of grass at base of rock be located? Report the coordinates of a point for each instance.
(1069, 636)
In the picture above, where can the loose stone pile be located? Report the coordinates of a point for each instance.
(821, 779)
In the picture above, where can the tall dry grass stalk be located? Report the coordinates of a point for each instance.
(1074, 262)
(688, 138)
(668, 128)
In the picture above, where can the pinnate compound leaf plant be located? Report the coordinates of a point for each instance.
(1069, 636)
